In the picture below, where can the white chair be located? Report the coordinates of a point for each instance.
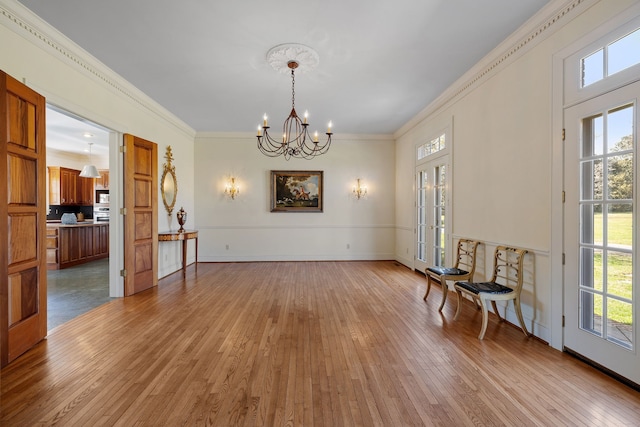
(508, 271)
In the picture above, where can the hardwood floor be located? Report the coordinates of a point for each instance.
(308, 343)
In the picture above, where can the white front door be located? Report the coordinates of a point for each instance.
(601, 228)
(432, 210)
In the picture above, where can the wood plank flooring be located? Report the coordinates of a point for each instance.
(300, 343)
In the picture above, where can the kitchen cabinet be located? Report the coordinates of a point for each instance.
(73, 244)
(84, 191)
(67, 187)
(102, 183)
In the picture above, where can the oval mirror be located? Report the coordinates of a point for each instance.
(169, 183)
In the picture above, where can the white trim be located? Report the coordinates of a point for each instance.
(556, 239)
(116, 221)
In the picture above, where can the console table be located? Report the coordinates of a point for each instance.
(184, 236)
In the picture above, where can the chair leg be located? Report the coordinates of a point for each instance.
(459, 308)
(445, 291)
(495, 310)
(485, 318)
(516, 304)
(428, 288)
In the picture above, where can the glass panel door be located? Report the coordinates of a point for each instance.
(432, 201)
(422, 223)
(600, 177)
(439, 208)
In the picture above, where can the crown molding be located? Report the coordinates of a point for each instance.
(539, 27)
(19, 19)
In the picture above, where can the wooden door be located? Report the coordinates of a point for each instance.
(23, 269)
(141, 218)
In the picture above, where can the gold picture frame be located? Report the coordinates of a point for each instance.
(296, 191)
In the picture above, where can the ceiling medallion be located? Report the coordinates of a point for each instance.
(296, 141)
(280, 56)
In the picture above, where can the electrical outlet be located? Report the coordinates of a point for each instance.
(227, 247)
(348, 246)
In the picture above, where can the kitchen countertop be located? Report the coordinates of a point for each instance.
(86, 222)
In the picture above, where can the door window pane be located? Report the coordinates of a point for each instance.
(591, 312)
(620, 226)
(591, 180)
(620, 322)
(620, 129)
(619, 273)
(591, 224)
(591, 268)
(620, 177)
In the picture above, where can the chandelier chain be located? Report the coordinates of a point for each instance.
(293, 90)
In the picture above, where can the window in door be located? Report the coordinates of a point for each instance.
(606, 222)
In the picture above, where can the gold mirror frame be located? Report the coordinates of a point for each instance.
(169, 183)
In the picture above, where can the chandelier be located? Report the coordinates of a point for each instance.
(296, 140)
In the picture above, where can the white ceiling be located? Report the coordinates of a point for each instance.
(72, 134)
(381, 61)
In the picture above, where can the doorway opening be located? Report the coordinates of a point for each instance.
(78, 246)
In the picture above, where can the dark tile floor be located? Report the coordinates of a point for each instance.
(76, 290)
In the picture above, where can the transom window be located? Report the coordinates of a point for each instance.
(610, 59)
(431, 147)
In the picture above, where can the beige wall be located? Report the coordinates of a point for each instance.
(502, 164)
(346, 229)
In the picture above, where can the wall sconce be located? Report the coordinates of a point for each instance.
(359, 190)
(231, 189)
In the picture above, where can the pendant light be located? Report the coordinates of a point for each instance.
(90, 171)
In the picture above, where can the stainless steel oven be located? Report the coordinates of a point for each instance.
(101, 213)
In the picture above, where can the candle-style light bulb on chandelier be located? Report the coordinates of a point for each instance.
(296, 140)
